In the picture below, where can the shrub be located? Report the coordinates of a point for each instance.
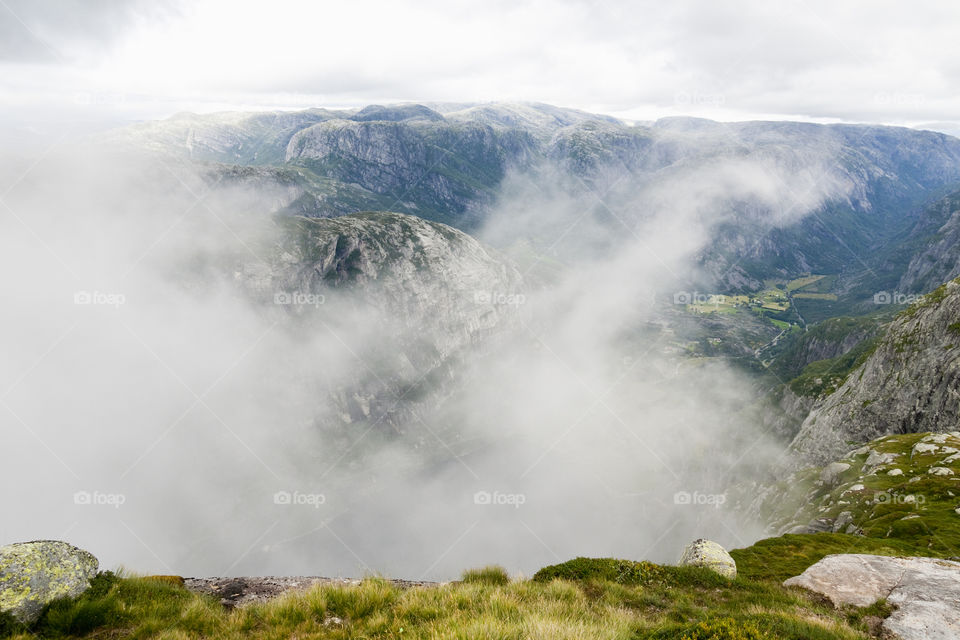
(723, 629)
(609, 569)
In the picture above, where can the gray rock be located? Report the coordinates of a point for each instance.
(843, 520)
(909, 384)
(926, 591)
(32, 574)
(709, 554)
(832, 472)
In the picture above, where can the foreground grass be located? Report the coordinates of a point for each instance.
(577, 600)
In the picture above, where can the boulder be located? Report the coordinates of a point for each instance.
(709, 554)
(925, 591)
(831, 473)
(32, 574)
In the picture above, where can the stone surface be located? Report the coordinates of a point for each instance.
(33, 574)
(241, 591)
(925, 591)
(709, 554)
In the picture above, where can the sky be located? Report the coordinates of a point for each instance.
(88, 62)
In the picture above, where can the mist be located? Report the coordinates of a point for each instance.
(164, 405)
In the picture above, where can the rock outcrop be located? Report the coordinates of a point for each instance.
(925, 591)
(909, 384)
(709, 554)
(33, 574)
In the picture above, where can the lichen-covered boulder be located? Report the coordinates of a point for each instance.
(33, 574)
(709, 554)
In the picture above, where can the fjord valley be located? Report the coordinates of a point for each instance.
(403, 340)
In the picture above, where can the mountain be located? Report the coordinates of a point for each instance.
(779, 199)
(909, 382)
(415, 299)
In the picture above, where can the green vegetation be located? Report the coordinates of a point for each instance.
(905, 500)
(826, 376)
(641, 601)
(487, 575)
(604, 569)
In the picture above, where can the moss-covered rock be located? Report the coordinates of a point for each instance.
(33, 574)
(709, 554)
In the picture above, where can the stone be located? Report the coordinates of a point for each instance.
(709, 554)
(843, 521)
(832, 472)
(941, 471)
(925, 591)
(895, 472)
(33, 574)
(922, 448)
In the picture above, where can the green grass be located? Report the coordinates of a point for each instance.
(911, 513)
(776, 559)
(580, 599)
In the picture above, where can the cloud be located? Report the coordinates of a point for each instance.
(862, 61)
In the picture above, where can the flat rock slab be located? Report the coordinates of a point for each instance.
(926, 591)
(234, 592)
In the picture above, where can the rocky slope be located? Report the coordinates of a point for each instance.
(905, 487)
(938, 241)
(908, 384)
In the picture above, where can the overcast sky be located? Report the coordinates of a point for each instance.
(889, 62)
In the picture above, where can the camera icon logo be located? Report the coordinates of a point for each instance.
(82, 497)
(682, 497)
(482, 497)
(282, 497)
(882, 297)
(82, 297)
(682, 297)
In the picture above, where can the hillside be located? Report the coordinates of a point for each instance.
(908, 384)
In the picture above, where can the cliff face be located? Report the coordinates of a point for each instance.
(939, 257)
(910, 383)
(409, 299)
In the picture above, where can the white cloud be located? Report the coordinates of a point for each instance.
(857, 61)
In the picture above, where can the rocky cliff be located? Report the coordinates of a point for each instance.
(910, 383)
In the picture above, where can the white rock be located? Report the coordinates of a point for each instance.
(926, 591)
(832, 471)
(895, 472)
(921, 448)
(709, 554)
(940, 471)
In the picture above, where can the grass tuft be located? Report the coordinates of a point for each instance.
(493, 575)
